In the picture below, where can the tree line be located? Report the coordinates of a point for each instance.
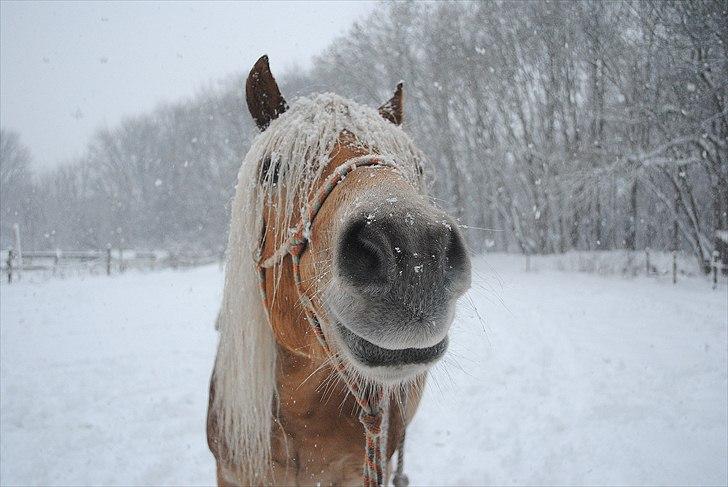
(549, 126)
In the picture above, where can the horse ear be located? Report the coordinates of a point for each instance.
(393, 110)
(265, 101)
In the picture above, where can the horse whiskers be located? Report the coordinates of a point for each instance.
(480, 318)
(322, 269)
(334, 385)
(491, 288)
(447, 372)
(328, 361)
(468, 227)
(313, 281)
(495, 273)
(414, 389)
(315, 297)
(453, 355)
(400, 393)
(324, 287)
(318, 252)
(312, 297)
(330, 385)
(460, 367)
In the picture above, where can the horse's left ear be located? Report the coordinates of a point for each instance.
(393, 110)
(265, 101)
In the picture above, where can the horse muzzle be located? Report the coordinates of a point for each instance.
(398, 272)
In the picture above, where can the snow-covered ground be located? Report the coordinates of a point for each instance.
(568, 379)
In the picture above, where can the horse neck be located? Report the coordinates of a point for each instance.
(316, 433)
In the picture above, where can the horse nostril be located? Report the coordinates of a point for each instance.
(457, 262)
(363, 257)
(424, 256)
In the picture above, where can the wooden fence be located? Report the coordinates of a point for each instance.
(108, 261)
(630, 263)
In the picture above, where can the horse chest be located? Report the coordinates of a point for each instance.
(316, 460)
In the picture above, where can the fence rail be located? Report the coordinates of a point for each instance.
(109, 261)
(630, 263)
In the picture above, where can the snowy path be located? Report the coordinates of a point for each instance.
(572, 379)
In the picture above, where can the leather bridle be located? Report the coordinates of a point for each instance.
(370, 401)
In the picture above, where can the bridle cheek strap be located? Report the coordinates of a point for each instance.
(371, 414)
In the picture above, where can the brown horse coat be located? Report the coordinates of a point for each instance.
(278, 411)
(317, 438)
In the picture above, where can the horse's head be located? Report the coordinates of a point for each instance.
(382, 265)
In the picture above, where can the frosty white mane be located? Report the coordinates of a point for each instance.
(283, 164)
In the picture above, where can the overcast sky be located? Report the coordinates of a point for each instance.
(67, 68)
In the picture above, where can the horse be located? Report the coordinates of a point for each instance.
(341, 283)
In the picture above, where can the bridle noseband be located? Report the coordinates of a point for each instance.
(371, 413)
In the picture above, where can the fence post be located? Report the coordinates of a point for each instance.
(56, 261)
(18, 250)
(647, 260)
(108, 259)
(674, 266)
(716, 261)
(121, 260)
(9, 263)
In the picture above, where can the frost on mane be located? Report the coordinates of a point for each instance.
(282, 166)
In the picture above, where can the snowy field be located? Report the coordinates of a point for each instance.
(568, 379)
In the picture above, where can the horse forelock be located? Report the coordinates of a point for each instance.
(283, 165)
(292, 154)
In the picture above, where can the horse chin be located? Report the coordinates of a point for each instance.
(391, 376)
(383, 365)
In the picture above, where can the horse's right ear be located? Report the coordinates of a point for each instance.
(265, 101)
(393, 109)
